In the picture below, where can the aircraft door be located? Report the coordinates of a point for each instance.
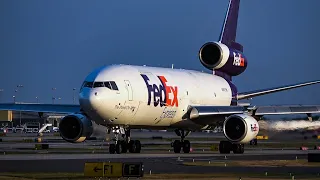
(129, 89)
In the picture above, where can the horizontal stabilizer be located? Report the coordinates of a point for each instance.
(250, 94)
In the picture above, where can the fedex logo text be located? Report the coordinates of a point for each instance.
(161, 92)
(238, 60)
(254, 127)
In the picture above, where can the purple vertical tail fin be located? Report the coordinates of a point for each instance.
(229, 30)
(228, 37)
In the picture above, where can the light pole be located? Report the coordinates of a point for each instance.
(1, 90)
(19, 86)
(53, 98)
(74, 98)
(14, 99)
(37, 99)
(16, 90)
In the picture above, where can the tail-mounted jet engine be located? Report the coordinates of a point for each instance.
(218, 56)
(240, 128)
(75, 128)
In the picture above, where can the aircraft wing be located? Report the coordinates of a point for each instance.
(45, 108)
(250, 94)
(281, 110)
(198, 112)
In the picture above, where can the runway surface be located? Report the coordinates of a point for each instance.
(157, 163)
(155, 155)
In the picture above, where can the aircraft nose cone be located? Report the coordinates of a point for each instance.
(90, 99)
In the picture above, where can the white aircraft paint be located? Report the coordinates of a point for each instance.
(129, 104)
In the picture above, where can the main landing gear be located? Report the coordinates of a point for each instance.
(226, 146)
(182, 144)
(125, 145)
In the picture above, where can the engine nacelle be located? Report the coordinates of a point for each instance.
(75, 128)
(240, 128)
(218, 56)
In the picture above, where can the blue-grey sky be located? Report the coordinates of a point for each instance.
(45, 44)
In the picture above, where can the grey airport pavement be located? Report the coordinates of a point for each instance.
(69, 157)
(157, 163)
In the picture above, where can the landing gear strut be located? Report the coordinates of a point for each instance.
(226, 146)
(182, 144)
(122, 146)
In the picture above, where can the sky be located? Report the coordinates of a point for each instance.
(56, 44)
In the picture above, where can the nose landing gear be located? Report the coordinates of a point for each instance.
(122, 146)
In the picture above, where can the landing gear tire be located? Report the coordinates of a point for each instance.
(182, 144)
(254, 142)
(124, 146)
(238, 148)
(186, 146)
(118, 148)
(176, 146)
(138, 144)
(112, 148)
(225, 147)
(134, 146)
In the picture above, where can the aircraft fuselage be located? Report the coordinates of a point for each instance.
(149, 96)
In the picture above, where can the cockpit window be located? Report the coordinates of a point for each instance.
(107, 84)
(98, 84)
(88, 84)
(114, 85)
(83, 85)
(111, 85)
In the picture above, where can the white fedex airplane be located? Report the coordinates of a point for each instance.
(124, 97)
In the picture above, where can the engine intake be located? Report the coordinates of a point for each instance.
(214, 55)
(218, 56)
(75, 128)
(240, 128)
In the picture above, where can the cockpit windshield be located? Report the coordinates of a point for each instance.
(108, 84)
(114, 85)
(98, 84)
(88, 84)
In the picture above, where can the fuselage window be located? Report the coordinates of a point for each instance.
(88, 84)
(98, 84)
(114, 85)
(107, 84)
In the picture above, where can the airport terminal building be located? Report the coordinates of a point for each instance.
(19, 118)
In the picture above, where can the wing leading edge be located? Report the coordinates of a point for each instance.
(250, 94)
(45, 108)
